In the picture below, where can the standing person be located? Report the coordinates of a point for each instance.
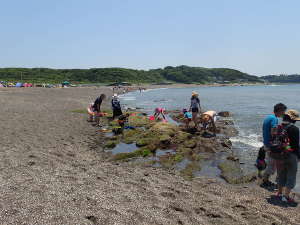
(96, 107)
(269, 130)
(195, 107)
(288, 166)
(116, 106)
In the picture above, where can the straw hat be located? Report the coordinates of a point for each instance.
(194, 93)
(293, 114)
(115, 95)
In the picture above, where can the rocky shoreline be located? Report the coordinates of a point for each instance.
(171, 146)
(54, 170)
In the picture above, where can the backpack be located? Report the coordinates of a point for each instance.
(280, 143)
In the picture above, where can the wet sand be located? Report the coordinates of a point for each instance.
(53, 171)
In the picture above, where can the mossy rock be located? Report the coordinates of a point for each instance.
(184, 150)
(231, 171)
(190, 169)
(190, 143)
(131, 136)
(143, 142)
(165, 139)
(140, 152)
(182, 136)
(169, 161)
(165, 129)
(140, 121)
(111, 144)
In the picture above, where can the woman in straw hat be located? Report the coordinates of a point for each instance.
(288, 166)
(195, 107)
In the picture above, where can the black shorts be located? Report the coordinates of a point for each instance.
(195, 110)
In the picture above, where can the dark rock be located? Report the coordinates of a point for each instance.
(224, 114)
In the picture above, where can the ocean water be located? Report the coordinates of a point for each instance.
(248, 104)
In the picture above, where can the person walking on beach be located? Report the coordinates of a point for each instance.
(269, 130)
(96, 107)
(195, 107)
(116, 106)
(287, 166)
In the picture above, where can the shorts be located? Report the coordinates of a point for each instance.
(195, 110)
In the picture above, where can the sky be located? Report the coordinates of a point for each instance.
(259, 37)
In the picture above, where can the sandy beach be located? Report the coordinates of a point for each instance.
(53, 170)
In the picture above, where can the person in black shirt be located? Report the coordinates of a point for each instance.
(287, 167)
(116, 106)
(97, 109)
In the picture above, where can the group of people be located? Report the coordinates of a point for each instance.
(96, 108)
(281, 150)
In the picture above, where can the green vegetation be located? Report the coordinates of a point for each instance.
(179, 74)
(295, 78)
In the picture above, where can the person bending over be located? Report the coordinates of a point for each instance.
(187, 118)
(158, 112)
(96, 108)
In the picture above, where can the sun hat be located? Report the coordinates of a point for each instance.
(293, 114)
(115, 95)
(194, 93)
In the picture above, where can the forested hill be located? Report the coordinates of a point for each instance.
(180, 74)
(295, 78)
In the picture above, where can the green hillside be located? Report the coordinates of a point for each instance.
(180, 74)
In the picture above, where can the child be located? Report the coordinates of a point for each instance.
(158, 112)
(187, 117)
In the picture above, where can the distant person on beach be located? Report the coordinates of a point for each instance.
(159, 111)
(187, 118)
(269, 130)
(195, 107)
(208, 120)
(116, 106)
(96, 107)
(287, 165)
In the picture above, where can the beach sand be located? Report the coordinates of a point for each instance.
(53, 171)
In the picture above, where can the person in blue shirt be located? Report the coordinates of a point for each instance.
(269, 129)
(187, 117)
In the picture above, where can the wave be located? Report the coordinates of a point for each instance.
(251, 140)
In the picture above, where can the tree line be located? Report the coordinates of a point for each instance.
(179, 74)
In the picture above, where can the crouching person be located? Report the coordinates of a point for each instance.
(208, 120)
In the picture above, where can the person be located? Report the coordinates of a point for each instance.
(269, 130)
(288, 166)
(96, 108)
(116, 106)
(187, 117)
(208, 120)
(159, 111)
(195, 107)
(123, 120)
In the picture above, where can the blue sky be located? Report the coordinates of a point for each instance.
(258, 36)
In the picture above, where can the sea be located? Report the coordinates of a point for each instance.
(249, 105)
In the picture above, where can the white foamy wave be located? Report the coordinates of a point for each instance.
(251, 140)
(154, 89)
(127, 98)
